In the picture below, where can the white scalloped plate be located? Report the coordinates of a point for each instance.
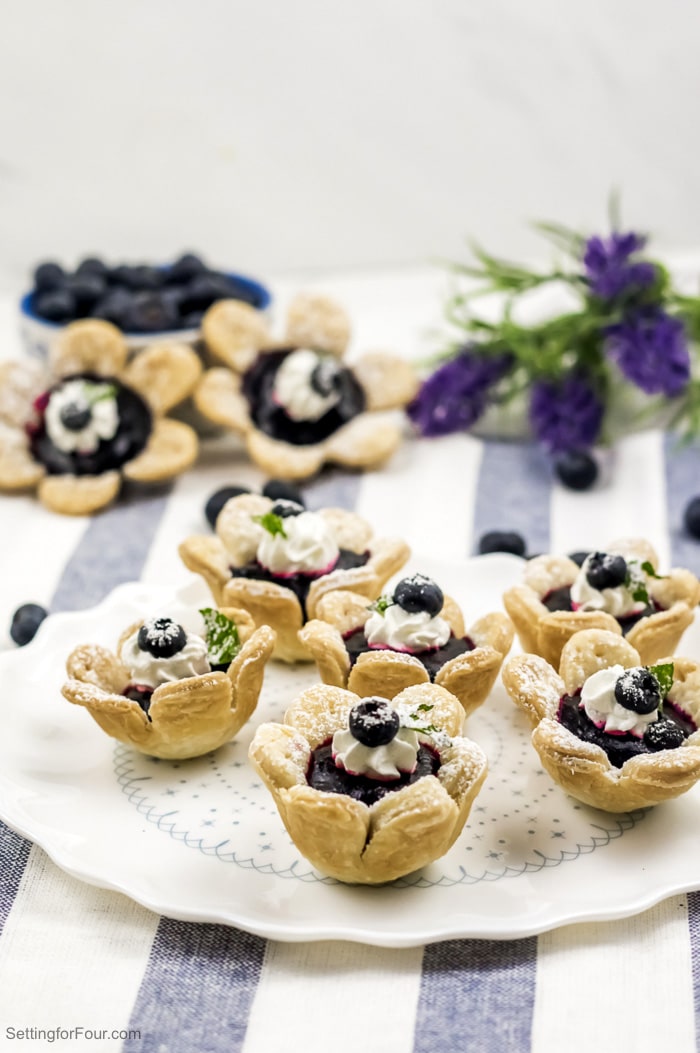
(202, 841)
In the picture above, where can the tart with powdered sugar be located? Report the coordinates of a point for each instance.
(297, 404)
(169, 692)
(278, 561)
(413, 636)
(74, 430)
(371, 789)
(611, 731)
(620, 589)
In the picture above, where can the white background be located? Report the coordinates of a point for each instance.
(285, 136)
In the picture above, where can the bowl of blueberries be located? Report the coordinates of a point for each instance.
(148, 303)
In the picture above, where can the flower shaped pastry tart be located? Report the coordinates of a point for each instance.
(368, 789)
(171, 693)
(414, 636)
(611, 731)
(297, 404)
(75, 430)
(619, 590)
(277, 561)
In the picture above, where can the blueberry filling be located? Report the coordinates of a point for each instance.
(269, 417)
(135, 424)
(323, 775)
(433, 660)
(668, 732)
(560, 600)
(140, 693)
(299, 583)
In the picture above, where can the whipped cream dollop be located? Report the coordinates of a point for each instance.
(305, 385)
(401, 630)
(144, 668)
(385, 762)
(80, 414)
(309, 546)
(603, 709)
(618, 601)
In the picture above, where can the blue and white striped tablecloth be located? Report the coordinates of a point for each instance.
(73, 956)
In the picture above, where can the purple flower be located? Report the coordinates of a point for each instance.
(611, 271)
(565, 414)
(457, 393)
(651, 349)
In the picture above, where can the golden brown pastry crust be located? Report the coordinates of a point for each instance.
(273, 604)
(188, 717)
(235, 334)
(581, 768)
(469, 676)
(163, 375)
(348, 839)
(545, 632)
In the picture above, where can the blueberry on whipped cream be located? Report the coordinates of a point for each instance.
(307, 384)
(627, 712)
(608, 582)
(87, 424)
(382, 749)
(80, 414)
(410, 621)
(160, 652)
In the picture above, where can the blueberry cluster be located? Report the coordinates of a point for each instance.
(639, 691)
(419, 593)
(138, 298)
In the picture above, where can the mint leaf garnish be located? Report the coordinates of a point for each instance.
(381, 605)
(648, 569)
(423, 708)
(664, 676)
(222, 639)
(95, 393)
(272, 523)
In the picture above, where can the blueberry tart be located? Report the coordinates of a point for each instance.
(619, 589)
(75, 430)
(170, 692)
(296, 403)
(612, 731)
(277, 560)
(371, 789)
(413, 636)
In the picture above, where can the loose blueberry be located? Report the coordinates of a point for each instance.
(502, 541)
(161, 637)
(576, 469)
(114, 306)
(664, 734)
(55, 305)
(691, 517)
(150, 313)
(75, 417)
(638, 690)
(373, 722)
(285, 509)
(605, 571)
(49, 275)
(419, 593)
(579, 558)
(25, 622)
(278, 490)
(218, 499)
(184, 269)
(93, 265)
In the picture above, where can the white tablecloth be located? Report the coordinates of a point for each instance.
(74, 956)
